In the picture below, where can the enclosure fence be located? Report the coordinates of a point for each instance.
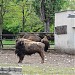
(8, 41)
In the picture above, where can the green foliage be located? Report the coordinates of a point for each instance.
(71, 5)
(51, 6)
(13, 17)
(12, 10)
(36, 5)
(33, 24)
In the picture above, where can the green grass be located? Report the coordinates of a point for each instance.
(51, 42)
(8, 41)
(42, 69)
(32, 70)
(8, 44)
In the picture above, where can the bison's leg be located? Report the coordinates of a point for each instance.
(42, 56)
(46, 48)
(21, 58)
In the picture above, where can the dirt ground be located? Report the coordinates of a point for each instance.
(51, 58)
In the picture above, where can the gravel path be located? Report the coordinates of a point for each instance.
(51, 58)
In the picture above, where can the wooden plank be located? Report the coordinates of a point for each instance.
(8, 44)
(8, 48)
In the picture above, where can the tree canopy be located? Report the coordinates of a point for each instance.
(32, 15)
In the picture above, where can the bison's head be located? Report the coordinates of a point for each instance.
(19, 48)
(19, 44)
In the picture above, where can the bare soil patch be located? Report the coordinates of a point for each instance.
(51, 58)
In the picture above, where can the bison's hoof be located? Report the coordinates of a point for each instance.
(19, 62)
(42, 62)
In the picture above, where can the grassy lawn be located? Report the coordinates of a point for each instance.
(32, 70)
(44, 70)
(8, 41)
(9, 44)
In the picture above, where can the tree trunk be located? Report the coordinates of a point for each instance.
(44, 18)
(0, 36)
(48, 25)
(0, 29)
(42, 10)
(43, 15)
(23, 20)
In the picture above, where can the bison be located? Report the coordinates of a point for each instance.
(33, 37)
(28, 47)
(46, 42)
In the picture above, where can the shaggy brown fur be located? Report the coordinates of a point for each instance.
(35, 38)
(28, 47)
(32, 37)
(46, 42)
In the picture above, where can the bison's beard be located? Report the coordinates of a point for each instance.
(20, 48)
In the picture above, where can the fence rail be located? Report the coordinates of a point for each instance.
(13, 37)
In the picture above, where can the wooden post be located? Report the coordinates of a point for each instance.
(1, 22)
